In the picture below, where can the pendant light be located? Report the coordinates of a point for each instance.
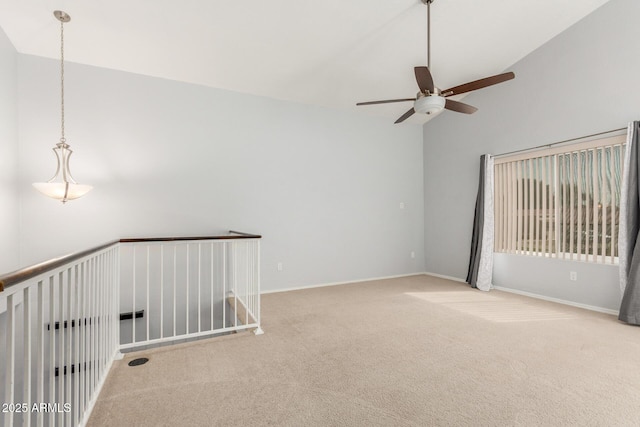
(62, 186)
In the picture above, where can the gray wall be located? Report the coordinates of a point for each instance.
(324, 187)
(9, 207)
(586, 80)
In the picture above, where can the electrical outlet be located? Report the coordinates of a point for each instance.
(413, 254)
(279, 266)
(573, 276)
(401, 205)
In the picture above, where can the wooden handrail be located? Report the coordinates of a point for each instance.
(233, 235)
(26, 273)
(23, 274)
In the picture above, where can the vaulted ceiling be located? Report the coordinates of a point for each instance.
(331, 53)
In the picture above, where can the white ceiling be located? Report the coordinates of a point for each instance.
(332, 53)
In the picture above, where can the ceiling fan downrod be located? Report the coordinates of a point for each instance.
(428, 3)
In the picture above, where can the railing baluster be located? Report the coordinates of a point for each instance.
(212, 283)
(148, 312)
(116, 296)
(94, 326)
(113, 313)
(110, 318)
(224, 284)
(99, 321)
(52, 346)
(175, 275)
(10, 364)
(246, 295)
(67, 366)
(258, 284)
(161, 291)
(249, 296)
(91, 295)
(253, 281)
(76, 347)
(107, 313)
(199, 283)
(26, 336)
(88, 332)
(188, 284)
(133, 299)
(40, 350)
(235, 283)
(102, 319)
(61, 360)
(82, 337)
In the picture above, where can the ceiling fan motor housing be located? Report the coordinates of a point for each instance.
(430, 105)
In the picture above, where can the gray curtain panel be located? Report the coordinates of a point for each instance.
(630, 266)
(478, 225)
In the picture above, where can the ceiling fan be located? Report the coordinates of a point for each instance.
(431, 100)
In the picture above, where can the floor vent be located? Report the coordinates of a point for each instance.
(139, 361)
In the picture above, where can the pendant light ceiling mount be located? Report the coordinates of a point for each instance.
(61, 16)
(62, 186)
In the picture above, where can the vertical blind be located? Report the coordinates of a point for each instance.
(562, 202)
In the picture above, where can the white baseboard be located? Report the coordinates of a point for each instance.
(442, 276)
(537, 296)
(558, 300)
(454, 279)
(322, 285)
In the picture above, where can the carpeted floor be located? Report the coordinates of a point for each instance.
(415, 351)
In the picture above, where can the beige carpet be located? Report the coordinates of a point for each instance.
(415, 351)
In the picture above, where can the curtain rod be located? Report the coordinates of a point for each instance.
(560, 142)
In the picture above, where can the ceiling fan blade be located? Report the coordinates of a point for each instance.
(424, 79)
(405, 116)
(478, 84)
(388, 101)
(459, 107)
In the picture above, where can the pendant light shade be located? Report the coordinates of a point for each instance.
(62, 186)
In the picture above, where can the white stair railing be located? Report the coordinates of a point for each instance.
(60, 336)
(179, 288)
(61, 326)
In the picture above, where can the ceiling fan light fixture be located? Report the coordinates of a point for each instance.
(430, 105)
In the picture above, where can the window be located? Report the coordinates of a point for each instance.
(561, 202)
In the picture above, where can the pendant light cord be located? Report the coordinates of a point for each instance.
(62, 138)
